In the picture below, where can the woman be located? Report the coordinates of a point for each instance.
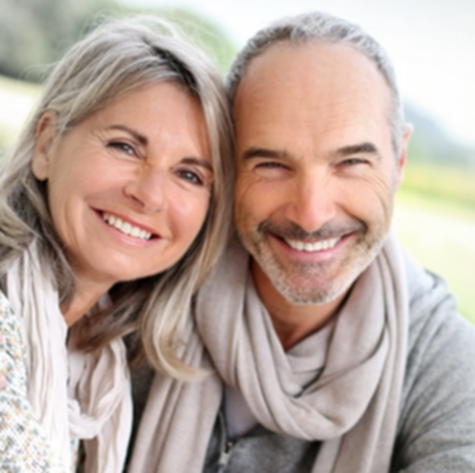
(114, 204)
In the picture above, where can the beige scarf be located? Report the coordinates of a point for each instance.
(74, 395)
(353, 374)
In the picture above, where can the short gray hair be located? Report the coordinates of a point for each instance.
(116, 58)
(325, 28)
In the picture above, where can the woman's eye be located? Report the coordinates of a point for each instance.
(191, 176)
(122, 147)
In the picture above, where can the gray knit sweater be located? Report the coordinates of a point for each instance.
(436, 431)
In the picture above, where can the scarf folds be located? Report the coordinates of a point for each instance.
(75, 395)
(341, 385)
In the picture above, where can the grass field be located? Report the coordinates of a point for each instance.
(441, 236)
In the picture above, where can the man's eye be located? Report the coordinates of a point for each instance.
(269, 164)
(353, 161)
(191, 176)
(122, 147)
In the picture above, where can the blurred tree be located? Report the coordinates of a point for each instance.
(430, 144)
(206, 34)
(37, 32)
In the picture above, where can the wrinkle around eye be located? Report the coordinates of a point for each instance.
(271, 165)
(353, 162)
(269, 171)
(191, 176)
(122, 147)
(195, 178)
(270, 168)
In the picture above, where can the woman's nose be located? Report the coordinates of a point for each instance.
(148, 189)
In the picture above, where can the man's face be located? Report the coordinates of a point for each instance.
(316, 170)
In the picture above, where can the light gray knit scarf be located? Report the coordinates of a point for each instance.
(339, 386)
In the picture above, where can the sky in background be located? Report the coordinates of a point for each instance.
(431, 43)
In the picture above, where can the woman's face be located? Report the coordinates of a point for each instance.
(129, 187)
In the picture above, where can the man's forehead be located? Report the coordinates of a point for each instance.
(294, 93)
(312, 64)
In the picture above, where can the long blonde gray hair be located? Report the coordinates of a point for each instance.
(118, 57)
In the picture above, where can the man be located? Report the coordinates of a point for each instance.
(332, 351)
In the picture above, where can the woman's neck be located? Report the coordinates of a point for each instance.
(85, 297)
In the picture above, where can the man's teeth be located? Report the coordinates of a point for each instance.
(312, 247)
(126, 227)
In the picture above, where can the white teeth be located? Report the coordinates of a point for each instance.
(312, 247)
(126, 227)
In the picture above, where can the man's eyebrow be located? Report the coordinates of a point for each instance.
(360, 148)
(138, 136)
(255, 152)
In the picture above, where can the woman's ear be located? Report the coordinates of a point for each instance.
(44, 140)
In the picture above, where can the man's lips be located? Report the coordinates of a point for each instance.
(329, 236)
(314, 246)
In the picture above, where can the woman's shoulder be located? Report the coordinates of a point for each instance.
(5, 306)
(10, 323)
(13, 352)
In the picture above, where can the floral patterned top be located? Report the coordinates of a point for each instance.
(24, 446)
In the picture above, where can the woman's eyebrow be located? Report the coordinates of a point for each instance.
(144, 141)
(138, 136)
(198, 162)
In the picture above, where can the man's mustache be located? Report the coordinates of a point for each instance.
(291, 231)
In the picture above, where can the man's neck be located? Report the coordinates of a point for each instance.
(292, 322)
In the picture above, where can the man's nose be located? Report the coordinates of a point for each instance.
(312, 203)
(148, 189)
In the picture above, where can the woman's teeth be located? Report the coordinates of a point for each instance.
(126, 227)
(312, 247)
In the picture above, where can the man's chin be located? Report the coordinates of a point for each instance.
(301, 293)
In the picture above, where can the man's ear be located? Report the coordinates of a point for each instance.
(44, 140)
(401, 164)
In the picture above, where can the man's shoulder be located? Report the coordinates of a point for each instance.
(441, 342)
(434, 318)
(437, 419)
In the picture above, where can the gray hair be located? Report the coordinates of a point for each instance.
(118, 57)
(321, 27)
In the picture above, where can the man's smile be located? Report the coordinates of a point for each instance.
(312, 247)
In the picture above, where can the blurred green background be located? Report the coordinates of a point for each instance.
(435, 209)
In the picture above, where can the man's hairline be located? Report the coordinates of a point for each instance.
(299, 42)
